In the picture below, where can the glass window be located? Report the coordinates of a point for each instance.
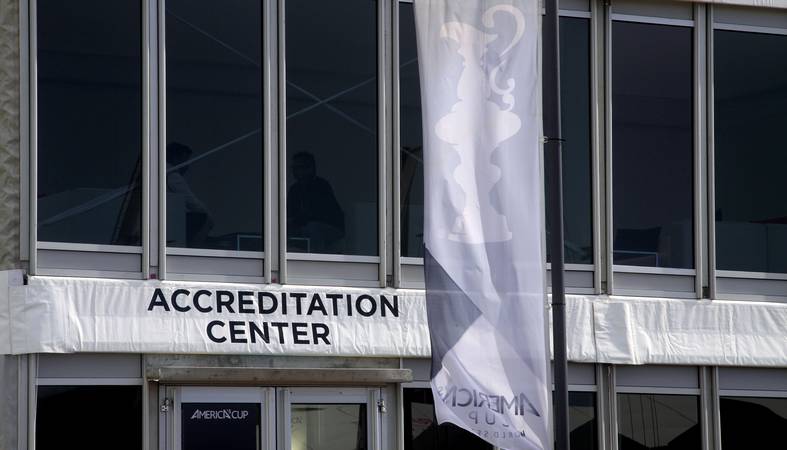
(751, 422)
(89, 417)
(575, 117)
(411, 180)
(421, 431)
(582, 420)
(652, 145)
(89, 116)
(750, 151)
(214, 125)
(328, 427)
(658, 421)
(331, 67)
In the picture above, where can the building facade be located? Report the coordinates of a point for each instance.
(212, 225)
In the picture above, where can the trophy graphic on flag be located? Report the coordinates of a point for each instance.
(476, 174)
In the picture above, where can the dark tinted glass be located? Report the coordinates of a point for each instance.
(652, 144)
(667, 422)
(750, 151)
(89, 417)
(421, 431)
(575, 116)
(411, 138)
(89, 121)
(214, 124)
(226, 426)
(328, 427)
(331, 127)
(750, 422)
(582, 420)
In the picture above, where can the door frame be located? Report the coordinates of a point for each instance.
(371, 397)
(263, 396)
(275, 403)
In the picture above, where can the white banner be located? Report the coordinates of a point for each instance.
(478, 61)
(89, 315)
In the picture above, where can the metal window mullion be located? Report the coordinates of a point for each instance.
(396, 162)
(613, 408)
(602, 402)
(155, 184)
(33, 124)
(145, 269)
(382, 139)
(24, 130)
(162, 142)
(716, 410)
(699, 206)
(267, 171)
(609, 248)
(21, 402)
(282, 117)
(597, 146)
(32, 400)
(706, 408)
(711, 142)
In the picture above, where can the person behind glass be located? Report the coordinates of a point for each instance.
(198, 220)
(314, 218)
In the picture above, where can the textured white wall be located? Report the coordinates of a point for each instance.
(9, 134)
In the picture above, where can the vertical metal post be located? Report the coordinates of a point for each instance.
(553, 147)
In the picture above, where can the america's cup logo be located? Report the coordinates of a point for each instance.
(479, 99)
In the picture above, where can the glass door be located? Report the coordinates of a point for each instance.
(258, 418)
(219, 418)
(329, 419)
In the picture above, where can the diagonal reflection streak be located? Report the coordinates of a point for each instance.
(116, 193)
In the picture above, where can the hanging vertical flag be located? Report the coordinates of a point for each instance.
(483, 225)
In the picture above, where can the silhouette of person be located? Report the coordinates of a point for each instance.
(313, 214)
(198, 220)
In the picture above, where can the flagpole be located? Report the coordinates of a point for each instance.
(553, 148)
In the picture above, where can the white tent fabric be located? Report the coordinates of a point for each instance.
(635, 330)
(602, 329)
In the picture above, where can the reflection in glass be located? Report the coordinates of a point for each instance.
(652, 145)
(226, 426)
(750, 151)
(421, 431)
(650, 421)
(411, 180)
(214, 125)
(582, 420)
(315, 219)
(575, 116)
(71, 417)
(332, 117)
(89, 121)
(328, 427)
(753, 423)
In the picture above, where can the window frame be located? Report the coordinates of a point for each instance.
(195, 264)
(707, 414)
(99, 260)
(330, 269)
(659, 281)
(735, 284)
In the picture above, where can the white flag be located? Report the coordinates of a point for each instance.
(484, 261)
